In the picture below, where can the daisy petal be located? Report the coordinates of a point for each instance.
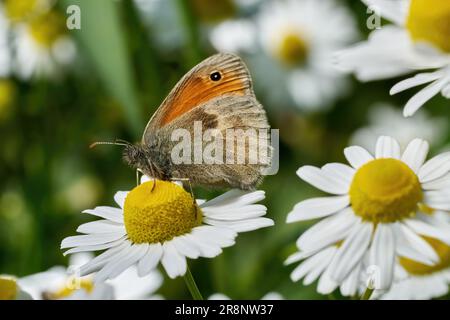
(438, 184)
(99, 261)
(327, 232)
(387, 147)
(417, 80)
(349, 287)
(94, 247)
(90, 239)
(174, 264)
(410, 241)
(207, 250)
(101, 226)
(420, 98)
(415, 154)
(435, 168)
(351, 251)
(150, 260)
(184, 248)
(438, 199)
(109, 213)
(326, 285)
(119, 197)
(242, 225)
(311, 264)
(317, 208)
(323, 260)
(395, 11)
(382, 254)
(422, 228)
(357, 156)
(321, 180)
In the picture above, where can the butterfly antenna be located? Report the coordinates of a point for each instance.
(117, 142)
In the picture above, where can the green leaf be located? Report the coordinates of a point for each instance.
(102, 38)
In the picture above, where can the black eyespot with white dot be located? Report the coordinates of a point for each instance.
(215, 76)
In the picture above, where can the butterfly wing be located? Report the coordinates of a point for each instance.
(227, 103)
(197, 88)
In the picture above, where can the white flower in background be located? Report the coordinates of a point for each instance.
(164, 224)
(417, 40)
(381, 208)
(11, 290)
(268, 296)
(37, 37)
(291, 53)
(385, 119)
(60, 283)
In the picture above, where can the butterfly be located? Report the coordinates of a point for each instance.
(215, 95)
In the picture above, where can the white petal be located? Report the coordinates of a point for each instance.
(317, 208)
(101, 226)
(94, 247)
(327, 232)
(357, 156)
(119, 197)
(326, 285)
(100, 260)
(150, 260)
(174, 264)
(407, 238)
(420, 98)
(120, 264)
(438, 199)
(387, 147)
(415, 154)
(382, 254)
(295, 257)
(311, 264)
(235, 198)
(241, 226)
(435, 168)
(109, 213)
(417, 80)
(340, 173)
(442, 233)
(207, 250)
(223, 237)
(438, 184)
(393, 10)
(351, 251)
(321, 180)
(324, 258)
(90, 239)
(238, 213)
(350, 285)
(185, 248)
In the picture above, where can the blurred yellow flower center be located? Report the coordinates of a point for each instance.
(8, 288)
(385, 190)
(429, 21)
(47, 28)
(7, 97)
(159, 215)
(20, 9)
(73, 284)
(418, 269)
(292, 49)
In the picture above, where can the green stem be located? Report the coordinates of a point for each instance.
(192, 286)
(367, 294)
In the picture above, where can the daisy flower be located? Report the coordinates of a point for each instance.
(386, 119)
(163, 224)
(61, 283)
(417, 40)
(39, 39)
(11, 290)
(268, 296)
(382, 207)
(294, 42)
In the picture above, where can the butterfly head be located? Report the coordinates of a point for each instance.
(134, 156)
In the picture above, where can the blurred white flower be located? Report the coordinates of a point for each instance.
(386, 119)
(417, 40)
(268, 296)
(162, 224)
(292, 48)
(381, 208)
(33, 43)
(66, 284)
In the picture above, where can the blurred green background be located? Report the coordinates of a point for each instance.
(117, 79)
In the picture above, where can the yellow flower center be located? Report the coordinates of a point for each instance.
(419, 269)
(47, 28)
(160, 214)
(292, 49)
(385, 190)
(73, 284)
(429, 21)
(8, 288)
(20, 10)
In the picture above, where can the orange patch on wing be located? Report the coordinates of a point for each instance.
(197, 91)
